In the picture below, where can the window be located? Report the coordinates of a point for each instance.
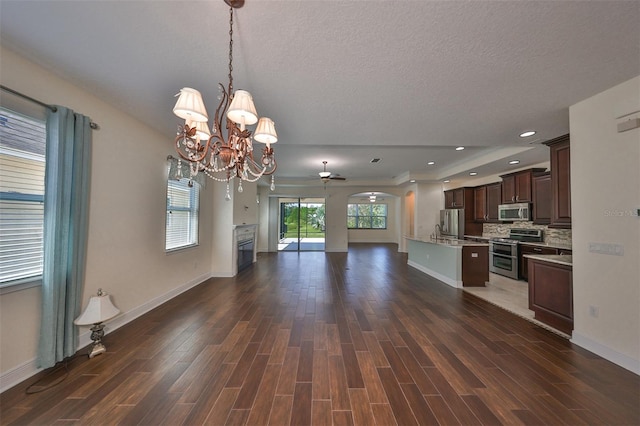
(22, 166)
(183, 201)
(367, 216)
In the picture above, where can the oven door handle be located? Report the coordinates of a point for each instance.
(502, 255)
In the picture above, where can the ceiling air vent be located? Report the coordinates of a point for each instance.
(375, 160)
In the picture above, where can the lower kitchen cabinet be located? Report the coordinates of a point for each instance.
(475, 261)
(551, 294)
(523, 262)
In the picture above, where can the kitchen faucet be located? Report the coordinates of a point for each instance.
(438, 231)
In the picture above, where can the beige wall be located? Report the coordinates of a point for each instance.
(605, 196)
(429, 202)
(126, 255)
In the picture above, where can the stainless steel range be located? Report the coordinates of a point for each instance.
(503, 252)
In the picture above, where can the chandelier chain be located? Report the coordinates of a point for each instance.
(230, 49)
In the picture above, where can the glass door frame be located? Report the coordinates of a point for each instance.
(309, 230)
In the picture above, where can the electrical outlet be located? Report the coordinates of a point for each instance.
(594, 311)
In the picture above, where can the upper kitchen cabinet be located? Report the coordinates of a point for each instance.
(457, 198)
(486, 200)
(541, 187)
(516, 187)
(560, 182)
(480, 203)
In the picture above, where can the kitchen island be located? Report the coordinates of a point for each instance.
(455, 262)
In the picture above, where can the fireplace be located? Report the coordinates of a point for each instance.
(245, 253)
(244, 246)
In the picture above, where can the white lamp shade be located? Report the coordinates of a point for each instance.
(242, 107)
(202, 130)
(98, 310)
(190, 105)
(266, 131)
(324, 175)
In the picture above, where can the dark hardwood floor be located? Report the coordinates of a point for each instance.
(342, 338)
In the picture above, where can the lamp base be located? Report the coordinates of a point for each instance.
(97, 349)
(97, 333)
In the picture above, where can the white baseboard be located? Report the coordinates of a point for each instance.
(27, 369)
(606, 352)
(18, 374)
(436, 275)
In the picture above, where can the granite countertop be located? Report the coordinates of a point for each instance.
(550, 245)
(479, 237)
(560, 259)
(449, 242)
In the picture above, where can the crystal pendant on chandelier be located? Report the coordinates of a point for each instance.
(227, 196)
(224, 158)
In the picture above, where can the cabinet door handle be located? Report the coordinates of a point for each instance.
(513, 198)
(537, 249)
(516, 198)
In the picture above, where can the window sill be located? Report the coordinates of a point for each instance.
(20, 285)
(175, 249)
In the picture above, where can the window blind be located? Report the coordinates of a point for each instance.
(22, 164)
(183, 203)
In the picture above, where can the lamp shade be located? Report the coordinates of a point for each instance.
(324, 175)
(190, 105)
(98, 310)
(266, 131)
(242, 107)
(202, 130)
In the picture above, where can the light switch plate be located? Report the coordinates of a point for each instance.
(605, 248)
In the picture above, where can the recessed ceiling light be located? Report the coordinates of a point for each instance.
(527, 133)
(446, 181)
(473, 173)
(412, 181)
(460, 148)
(514, 162)
(431, 163)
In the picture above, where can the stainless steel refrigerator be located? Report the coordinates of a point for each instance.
(452, 223)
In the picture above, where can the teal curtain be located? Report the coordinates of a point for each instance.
(66, 206)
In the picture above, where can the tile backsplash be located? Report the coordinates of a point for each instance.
(551, 235)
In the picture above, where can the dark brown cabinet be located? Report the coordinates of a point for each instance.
(523, 263)
(560, 182)
(494, 198)
(462, 198)
(541, 188)
(480, 203)
(516, 187)
(475, 266)
(486, 199)
(454, 198)
(551, 294)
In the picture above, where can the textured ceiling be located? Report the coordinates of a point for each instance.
(347, 81)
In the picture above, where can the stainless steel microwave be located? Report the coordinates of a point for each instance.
(514, 212)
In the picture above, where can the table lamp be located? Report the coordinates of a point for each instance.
(99, 310)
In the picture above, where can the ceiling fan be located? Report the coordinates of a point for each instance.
(326, 176)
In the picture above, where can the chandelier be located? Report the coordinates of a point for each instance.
(210, 152)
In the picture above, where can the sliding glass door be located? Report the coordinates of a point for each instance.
(302, 224)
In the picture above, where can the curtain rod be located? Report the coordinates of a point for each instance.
(93, 125)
